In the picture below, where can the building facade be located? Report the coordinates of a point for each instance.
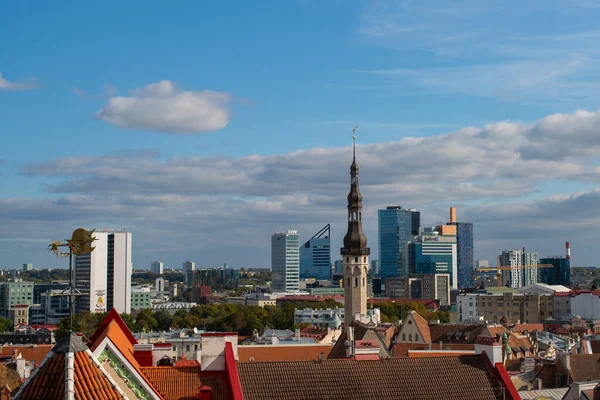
(464, 254)
(315, 256)
(27, 267)
(285, 261)
(157, 267)
(104, 275)
(521, 272)
(140, 297)
(424, 287)
(217, 278)
(516, 307)
(559, 274)
(14, 293)
(396, 226)
(433, 253)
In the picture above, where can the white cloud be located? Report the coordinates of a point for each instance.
(27, 84)
(163, 107)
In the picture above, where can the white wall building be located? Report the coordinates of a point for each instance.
(157, 267)
(285, 261)
(466, 307)
(585, 305)
(104, 276)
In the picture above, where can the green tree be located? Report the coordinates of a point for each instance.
(6, 324)
(145, 320)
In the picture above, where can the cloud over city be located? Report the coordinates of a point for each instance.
(164, 107)
(26, 84)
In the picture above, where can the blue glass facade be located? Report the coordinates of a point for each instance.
(436, 255)
(315, 259)
(464, 250)
(559, 274)
(396, 227)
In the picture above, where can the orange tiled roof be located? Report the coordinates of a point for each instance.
(283, 352)
(520, 328)
(30, 352)
(89, 381)
(422, 325)
(175, 382)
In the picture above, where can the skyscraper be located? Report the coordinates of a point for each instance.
(315, 256)
(157, 267)
(285, 261)
(560, 273)
(104, 275)
(435, 254)
(464, 248)
(188, 270)
(27, 267)
(355, 253)
(397, 226)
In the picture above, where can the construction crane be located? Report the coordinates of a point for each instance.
(501, 268)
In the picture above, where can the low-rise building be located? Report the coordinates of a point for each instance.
(514, 307)
(140, 297)
(331, 317)
(420, 286)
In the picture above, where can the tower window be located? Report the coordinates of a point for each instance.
(355, 259)
(348, 282)
(355, 282)
(347, 259)
(363, 281)
(410, 337)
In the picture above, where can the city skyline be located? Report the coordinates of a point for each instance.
(468, 106)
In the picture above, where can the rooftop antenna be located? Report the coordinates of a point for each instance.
(79, 244)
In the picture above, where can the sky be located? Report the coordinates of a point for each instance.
(204, 127)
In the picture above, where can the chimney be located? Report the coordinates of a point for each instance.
(297, 334)
(205, 393)
(213, 350)
(452, 214)
(491, 348)
(568, 244)
(143, 353)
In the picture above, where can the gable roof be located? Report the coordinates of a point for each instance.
(30, 352)
(455, 333)
(90, 381)
(422, 326)
(113, 315)
(584, 367)
(361, 332)
(175, 382)
(298, 352)
(463, 377)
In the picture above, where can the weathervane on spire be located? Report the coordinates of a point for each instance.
(354, 142)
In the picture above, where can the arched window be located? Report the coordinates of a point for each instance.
(355, 259)
(347, 259)
(355, 282)
(404, 337)
(364, 259)
(348, 282)
(410, 337)
(363, 281)
(359, 216)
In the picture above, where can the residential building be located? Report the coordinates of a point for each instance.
(397, 226)
(140, 297)
(508, 306)
(464, 251)
(355, 253)
(331, 318)
(200, 293)
(315, 256)
(27, 267)
(12, 294)
(157, 267)
(562, 306)
(559, 274)
(104, 275)
(21, 315)
(435, 253)
(188, 269)
(285, 261)
(518, 275)
(55, 306)
(424, 286)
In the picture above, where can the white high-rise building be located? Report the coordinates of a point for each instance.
(104, 276)
(157, 267)
(518, 275)
(285, 261)
(188, 266)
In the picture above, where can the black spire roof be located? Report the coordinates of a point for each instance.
(355, 241)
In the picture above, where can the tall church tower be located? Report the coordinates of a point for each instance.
(355, 253)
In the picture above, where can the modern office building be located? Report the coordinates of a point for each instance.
(433, 253)
(27, 267)
(425, 286)
(338, 267)
(559, 274)
(188, 269)
(217, 278)
(285, 261)
(140, 297)
(397, 226)
(464, 250)
(518, 275)
(12, 294)
(104, 275)
(315, 256)
(375, 268)
(157, 267)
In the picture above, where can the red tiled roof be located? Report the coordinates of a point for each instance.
(595, 344)
(584, 367)
(361, 332)
(463, 377)
(48, 382)
(176, 383)
(520, 328)
(428, 303)
(30, 352)
(283, 352)
(422, 325)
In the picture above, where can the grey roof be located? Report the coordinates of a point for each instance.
(280, 333)
(70, 344)
(556, 394)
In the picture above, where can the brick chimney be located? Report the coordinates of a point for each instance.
(143, 353)
(205, 393)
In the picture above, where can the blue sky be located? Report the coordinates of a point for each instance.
(187, 123)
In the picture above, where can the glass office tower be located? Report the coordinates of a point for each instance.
(315, 256)
(285, 261)
(397, 226)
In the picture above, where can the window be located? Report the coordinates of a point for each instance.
(363, 281)
(404, 337)
(355, 259)
(187, 347)
(355, 282)
(410, 337)
(348, 282)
